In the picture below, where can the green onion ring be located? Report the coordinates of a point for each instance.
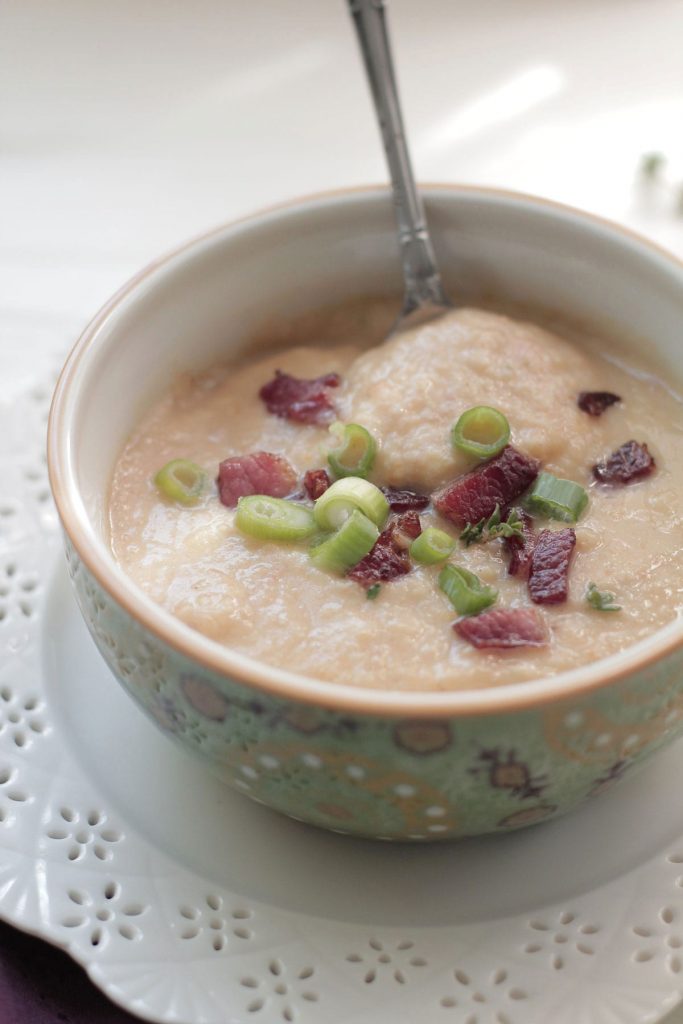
(432, 546)
(481, 431)
(346, 495)
(557, 498)
(345, 548)
(266, 518)
(355, 455)
(182, 481)
(465, 591)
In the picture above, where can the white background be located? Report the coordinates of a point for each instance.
(127, 127)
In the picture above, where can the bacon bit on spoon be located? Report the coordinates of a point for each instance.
(403, 500)
(520, 549)
(549, 569)
(627, 463)
(316, 482)
(503, 627)
(256, 473)
(595, 402)
(500, 481)
(306, 401)
(389, 557)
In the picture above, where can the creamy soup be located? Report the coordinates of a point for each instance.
(269, 599)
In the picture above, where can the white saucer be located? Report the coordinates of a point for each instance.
(188, 903)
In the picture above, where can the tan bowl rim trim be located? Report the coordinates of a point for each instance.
(279, 683)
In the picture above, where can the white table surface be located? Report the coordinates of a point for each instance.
(127, 127)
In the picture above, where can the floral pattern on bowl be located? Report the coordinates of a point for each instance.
(410, 779)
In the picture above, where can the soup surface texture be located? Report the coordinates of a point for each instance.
(268, 600)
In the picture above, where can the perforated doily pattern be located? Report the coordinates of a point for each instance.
(170, 946)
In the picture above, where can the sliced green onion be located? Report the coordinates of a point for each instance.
(182, 481)
(557, 499)
(345, 548)
(344, 496)
(481, 431)
(432, 546)
(259, 515)
(372, 592)
(465, 591)
(601, 600)
(355, 455)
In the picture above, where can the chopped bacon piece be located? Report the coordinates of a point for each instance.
(388, 558)
(316, 482)
(499, 481)
(549, 569)
(595, 402)
(504, 627)
(306, 401)
(520, 549)
(402, 500)
(627, 463)
(256, 473)
(406, 528)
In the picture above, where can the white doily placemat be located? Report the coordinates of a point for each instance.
(187, 903)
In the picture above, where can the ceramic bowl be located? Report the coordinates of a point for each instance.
(375, 763)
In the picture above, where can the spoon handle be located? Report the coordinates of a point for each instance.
(422, 278)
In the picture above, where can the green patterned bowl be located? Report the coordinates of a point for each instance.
(370, 762)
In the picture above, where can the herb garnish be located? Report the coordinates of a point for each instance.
(652, 173)
(651, 164)
(601, 600)
(491, 528)
(372, 592)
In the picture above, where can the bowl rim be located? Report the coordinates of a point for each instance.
(248, 671)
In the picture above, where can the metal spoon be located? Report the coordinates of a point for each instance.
(424, 296)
